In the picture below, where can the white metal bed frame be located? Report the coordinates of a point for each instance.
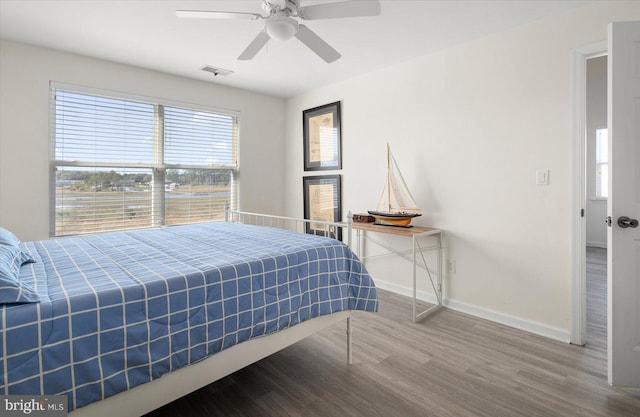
(290, 223)
(171, 386)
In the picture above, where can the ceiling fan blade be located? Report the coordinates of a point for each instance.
(205, 14)
(353, 8)
(255, 46)
(316, 44)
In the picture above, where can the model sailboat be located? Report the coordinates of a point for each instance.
(397, 206)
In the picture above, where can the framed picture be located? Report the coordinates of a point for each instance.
(322, 201)
(321, 132)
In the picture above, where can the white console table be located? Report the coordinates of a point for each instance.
(418, 236)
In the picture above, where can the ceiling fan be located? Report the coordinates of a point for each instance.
(281, 25)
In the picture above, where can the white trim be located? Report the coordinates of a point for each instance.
(578, 203)
(579, 56)
(395, 288)
(530, 326)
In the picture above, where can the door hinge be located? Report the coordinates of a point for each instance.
(607, 220)
(581, 212)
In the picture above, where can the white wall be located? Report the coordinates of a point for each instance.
(25, 72)
(596, 119)
(469, 127)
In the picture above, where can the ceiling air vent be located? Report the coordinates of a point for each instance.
(216, 71)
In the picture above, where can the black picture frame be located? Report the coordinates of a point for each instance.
(322, 137)
(323, 202)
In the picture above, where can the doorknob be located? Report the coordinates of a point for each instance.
(624, 222)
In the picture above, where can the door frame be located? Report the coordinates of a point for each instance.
(579, 57)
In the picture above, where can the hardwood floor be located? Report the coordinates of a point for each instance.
(597, 299)
(451, 364)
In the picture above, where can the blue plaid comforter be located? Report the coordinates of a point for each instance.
(121, 309)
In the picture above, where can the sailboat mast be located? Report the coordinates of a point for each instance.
(388, 177)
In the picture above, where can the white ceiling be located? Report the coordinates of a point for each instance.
(147, 34)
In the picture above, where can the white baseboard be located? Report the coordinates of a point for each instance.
(484, 313)
(602, 245)
(389, 286)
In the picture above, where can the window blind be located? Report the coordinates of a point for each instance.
(123, 164)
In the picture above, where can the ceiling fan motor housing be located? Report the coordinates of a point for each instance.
(281, 28)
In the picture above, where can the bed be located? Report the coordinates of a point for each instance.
(129, 321)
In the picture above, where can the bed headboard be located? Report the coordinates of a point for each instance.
(335, 230)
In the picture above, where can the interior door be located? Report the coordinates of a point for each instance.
(623, 234)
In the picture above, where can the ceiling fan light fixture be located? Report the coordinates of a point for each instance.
(281, 28)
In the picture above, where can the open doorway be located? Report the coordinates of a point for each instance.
(596, 193)
(579, 58)
(623, 312)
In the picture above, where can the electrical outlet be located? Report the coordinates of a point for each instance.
(451, 266)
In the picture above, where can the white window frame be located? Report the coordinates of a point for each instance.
(159, 167)
(600, 180)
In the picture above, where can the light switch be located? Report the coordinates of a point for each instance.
(542, 177)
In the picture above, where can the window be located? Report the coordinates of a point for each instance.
(602, 163)
(127, 164)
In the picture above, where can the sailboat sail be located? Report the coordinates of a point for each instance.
(396, 206)
(396, 197)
